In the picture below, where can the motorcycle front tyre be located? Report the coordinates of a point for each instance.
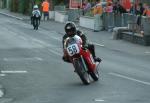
(81, 71)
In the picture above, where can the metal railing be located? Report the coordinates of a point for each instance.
(111, 20)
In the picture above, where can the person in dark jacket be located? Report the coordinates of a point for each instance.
(118, 8)
(139, 12)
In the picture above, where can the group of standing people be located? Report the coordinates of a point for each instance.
(140, 10)
(98, 8)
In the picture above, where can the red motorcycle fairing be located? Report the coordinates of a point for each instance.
(88, 59)
(84, 53)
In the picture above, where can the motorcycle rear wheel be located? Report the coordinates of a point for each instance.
(95, 75)
(35, 24)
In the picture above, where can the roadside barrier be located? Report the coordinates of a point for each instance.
(108, 21)
(146, 25)
(111, 20)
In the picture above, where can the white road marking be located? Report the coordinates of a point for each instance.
(22, 59)
(98, 100)
(1, 93)
(56, 38)
(6, 100)
(98, 44)
(15, 71)
(22, 37)
(147, 52)
(2, 75)
(55, 52)
(38, 58)
(129, 78)
(39, 41)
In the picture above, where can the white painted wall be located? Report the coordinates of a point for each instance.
(52, 14)
(60, 17)
(87, 22)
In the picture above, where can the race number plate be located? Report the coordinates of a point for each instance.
(73, 49)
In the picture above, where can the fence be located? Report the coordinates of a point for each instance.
(111, 20)
(146, 25)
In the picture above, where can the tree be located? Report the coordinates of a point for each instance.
(14, 5)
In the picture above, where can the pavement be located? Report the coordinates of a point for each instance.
(14, 15)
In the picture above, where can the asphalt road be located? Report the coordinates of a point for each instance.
(32, 70)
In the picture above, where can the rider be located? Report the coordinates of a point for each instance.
(36, 14)
(71, 31)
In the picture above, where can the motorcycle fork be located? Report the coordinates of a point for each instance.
(84, 64)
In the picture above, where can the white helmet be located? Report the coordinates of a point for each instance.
(35, 7)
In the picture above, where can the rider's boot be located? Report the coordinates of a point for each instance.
(97, 59)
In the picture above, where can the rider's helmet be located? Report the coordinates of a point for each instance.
(35, 7)
(70, 29)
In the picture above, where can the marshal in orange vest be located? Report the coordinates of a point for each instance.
(45, 6)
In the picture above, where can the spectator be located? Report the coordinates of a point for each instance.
(121, 9)
(118, 8)
(93, 3)
(45, 9)
(108, 0)
(98, 10)
(87, 6)
(83, 6)
(139, 12)
(139, 9)
(109, 7)
(133, 8)
(108, 16)
(146, 11)
(115, 7)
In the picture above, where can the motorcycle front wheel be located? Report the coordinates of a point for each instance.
(81, 71)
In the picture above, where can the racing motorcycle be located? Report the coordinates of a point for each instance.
(82, 60)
